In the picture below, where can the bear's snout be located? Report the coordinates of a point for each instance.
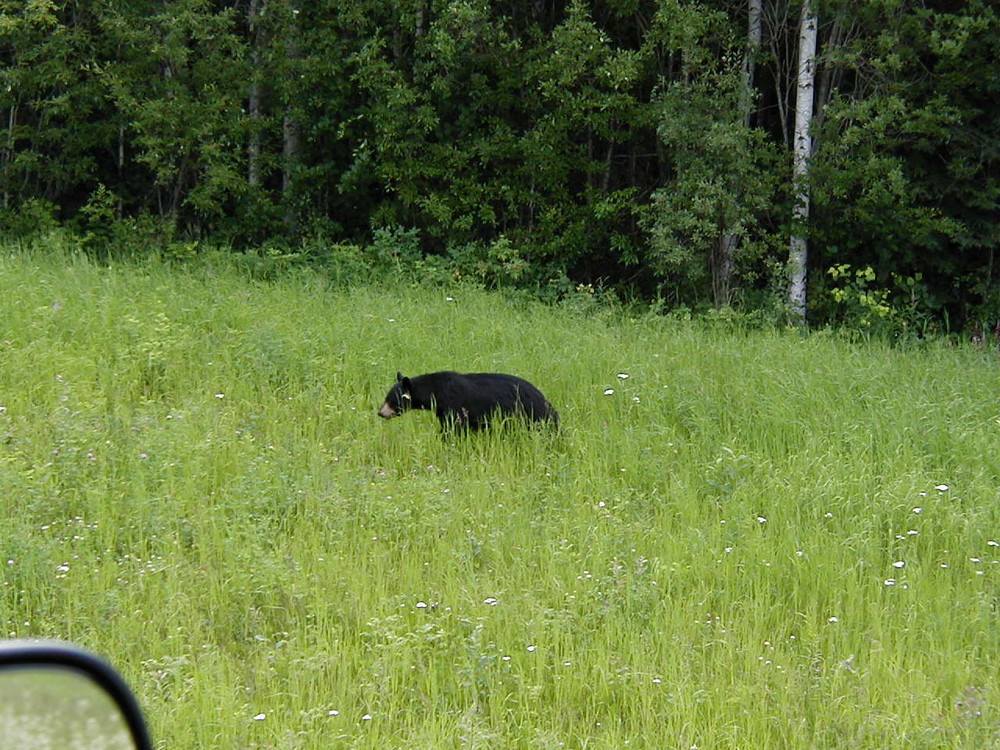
(387, 412)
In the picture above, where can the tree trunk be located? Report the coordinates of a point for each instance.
(802, 145)
(8, 153)
(290, 127)
(120, 209)
(754, 39)
(253, 97)
(723, 261)
(722, 268)
(420, 19)
(830, 73)
(290, 152)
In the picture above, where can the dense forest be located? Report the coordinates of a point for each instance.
(646, 147)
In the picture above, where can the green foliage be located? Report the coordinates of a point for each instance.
(864, 305)
(901, 179)
(472, 159)
(395, 250)
(726, 183)
(874, 198)
(499, 264)
(96, 219)
(52, 102)
(180, 87)
(33, 217)
(902, 310)
(618, 144)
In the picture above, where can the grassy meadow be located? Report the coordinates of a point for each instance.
(737, 539)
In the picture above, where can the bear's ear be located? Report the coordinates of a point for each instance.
(405, 382)
(399, 376)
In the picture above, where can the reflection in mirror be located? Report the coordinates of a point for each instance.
(45, 707)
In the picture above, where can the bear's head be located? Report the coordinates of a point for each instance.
(398, 400)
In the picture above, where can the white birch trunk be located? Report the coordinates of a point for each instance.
(802, 145)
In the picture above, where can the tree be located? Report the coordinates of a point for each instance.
(724, 183)
(55, 115)
(481, 129)
(626, 142)
(255, 10)
(179, 79)
(755, 10)
(802, 149)
(723, 259)
(905, 164)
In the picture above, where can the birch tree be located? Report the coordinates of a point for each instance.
(802, 145)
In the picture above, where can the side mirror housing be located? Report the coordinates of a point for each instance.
(55, 694)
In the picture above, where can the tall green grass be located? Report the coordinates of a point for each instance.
(752, 539)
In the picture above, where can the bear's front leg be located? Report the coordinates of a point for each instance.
(454, 420)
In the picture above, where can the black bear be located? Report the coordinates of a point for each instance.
(468, 401)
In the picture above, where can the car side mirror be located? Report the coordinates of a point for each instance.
(55, 694)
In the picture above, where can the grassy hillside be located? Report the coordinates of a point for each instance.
(737, 539)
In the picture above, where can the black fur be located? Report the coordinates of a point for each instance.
(468, 401)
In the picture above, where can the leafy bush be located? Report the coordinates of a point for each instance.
(905, 308)
(35, 216)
